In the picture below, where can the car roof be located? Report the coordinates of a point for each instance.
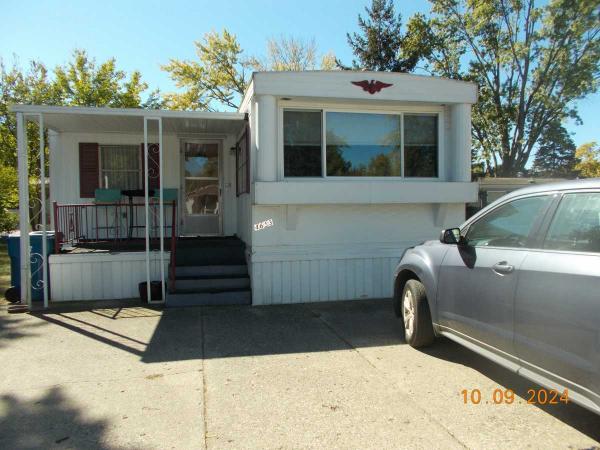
(588, 183)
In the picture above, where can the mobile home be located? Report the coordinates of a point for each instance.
(311, 191)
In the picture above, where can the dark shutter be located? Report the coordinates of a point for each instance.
(153, 166)
(89, 169)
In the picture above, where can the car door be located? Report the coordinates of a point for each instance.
(557, 316)
(478, 279)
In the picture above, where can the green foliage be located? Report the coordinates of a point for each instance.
(217, 76)
(381, 45)
(588, 156)
(80, 82)
(221, 74)
(531, 64)
(9, 198)
(555, 156)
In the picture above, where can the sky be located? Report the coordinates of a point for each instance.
(142, 35)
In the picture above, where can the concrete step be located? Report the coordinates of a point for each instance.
(239, 297)
(199, 284)
(210, 271)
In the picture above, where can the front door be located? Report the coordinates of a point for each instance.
(201, 188)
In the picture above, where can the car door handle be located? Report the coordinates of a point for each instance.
(503, 267)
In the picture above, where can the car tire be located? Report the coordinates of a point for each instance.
(416, 317)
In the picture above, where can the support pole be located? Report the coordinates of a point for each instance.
(147, 210)
(161, 210)
(43, 209)
(24, 211)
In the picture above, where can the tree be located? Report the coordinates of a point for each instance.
(221, 74)
(218, 77)
(588, 155)
(83, 83)
(381, 46)
(79, 82)
(531, 64)
(287, 54)
(555, 156)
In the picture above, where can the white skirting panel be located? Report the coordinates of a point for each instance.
(322, 279)
(100, 276)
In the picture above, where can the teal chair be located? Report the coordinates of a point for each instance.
(169, 194)
(107, 195)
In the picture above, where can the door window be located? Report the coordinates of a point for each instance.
(201, 166)
(509, 225)
(576, 224)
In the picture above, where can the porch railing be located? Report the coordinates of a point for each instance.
(110, 225)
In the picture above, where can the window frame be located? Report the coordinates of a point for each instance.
(551, 215)
(397, 111)
(140, 169)
(539, 227)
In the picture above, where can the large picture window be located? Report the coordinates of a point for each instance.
(120, 167)
(363, 145)
(360, 144)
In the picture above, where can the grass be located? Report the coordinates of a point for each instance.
(4, 270)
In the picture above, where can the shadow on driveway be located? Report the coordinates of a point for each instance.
(49, 421)
(224, 332)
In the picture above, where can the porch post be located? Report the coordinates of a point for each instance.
(147, 210)
(23, 211)
(161, 210)
(43, 209)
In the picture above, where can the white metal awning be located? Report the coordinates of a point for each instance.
(131, 120)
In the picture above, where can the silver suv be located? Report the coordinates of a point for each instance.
(519, 283)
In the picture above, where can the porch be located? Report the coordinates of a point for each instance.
(125, 185)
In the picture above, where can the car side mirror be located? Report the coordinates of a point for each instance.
(451, 236)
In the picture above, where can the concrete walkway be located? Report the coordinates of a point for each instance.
(334, 375)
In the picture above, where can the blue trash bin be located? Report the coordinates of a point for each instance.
(36, 239)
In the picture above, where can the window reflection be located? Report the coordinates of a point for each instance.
(363, 144)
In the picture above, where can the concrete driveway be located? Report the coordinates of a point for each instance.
(335, 375)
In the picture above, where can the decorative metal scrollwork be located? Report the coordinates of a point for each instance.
(38, 281)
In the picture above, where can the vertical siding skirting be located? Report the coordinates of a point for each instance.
(316, 280)
(100, 276)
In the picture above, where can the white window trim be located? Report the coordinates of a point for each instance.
(392, 110)
(101, 169)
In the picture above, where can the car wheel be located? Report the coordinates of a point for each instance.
(418, 329)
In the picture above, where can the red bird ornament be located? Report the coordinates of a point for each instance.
(371, 86)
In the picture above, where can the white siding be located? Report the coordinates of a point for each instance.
(314, 280)
(64, 167)
(337, 252)
(100, 276)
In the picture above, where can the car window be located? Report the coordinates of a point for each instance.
(508, 225)
(576, 224)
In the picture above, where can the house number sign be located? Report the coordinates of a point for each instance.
(264, 224)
